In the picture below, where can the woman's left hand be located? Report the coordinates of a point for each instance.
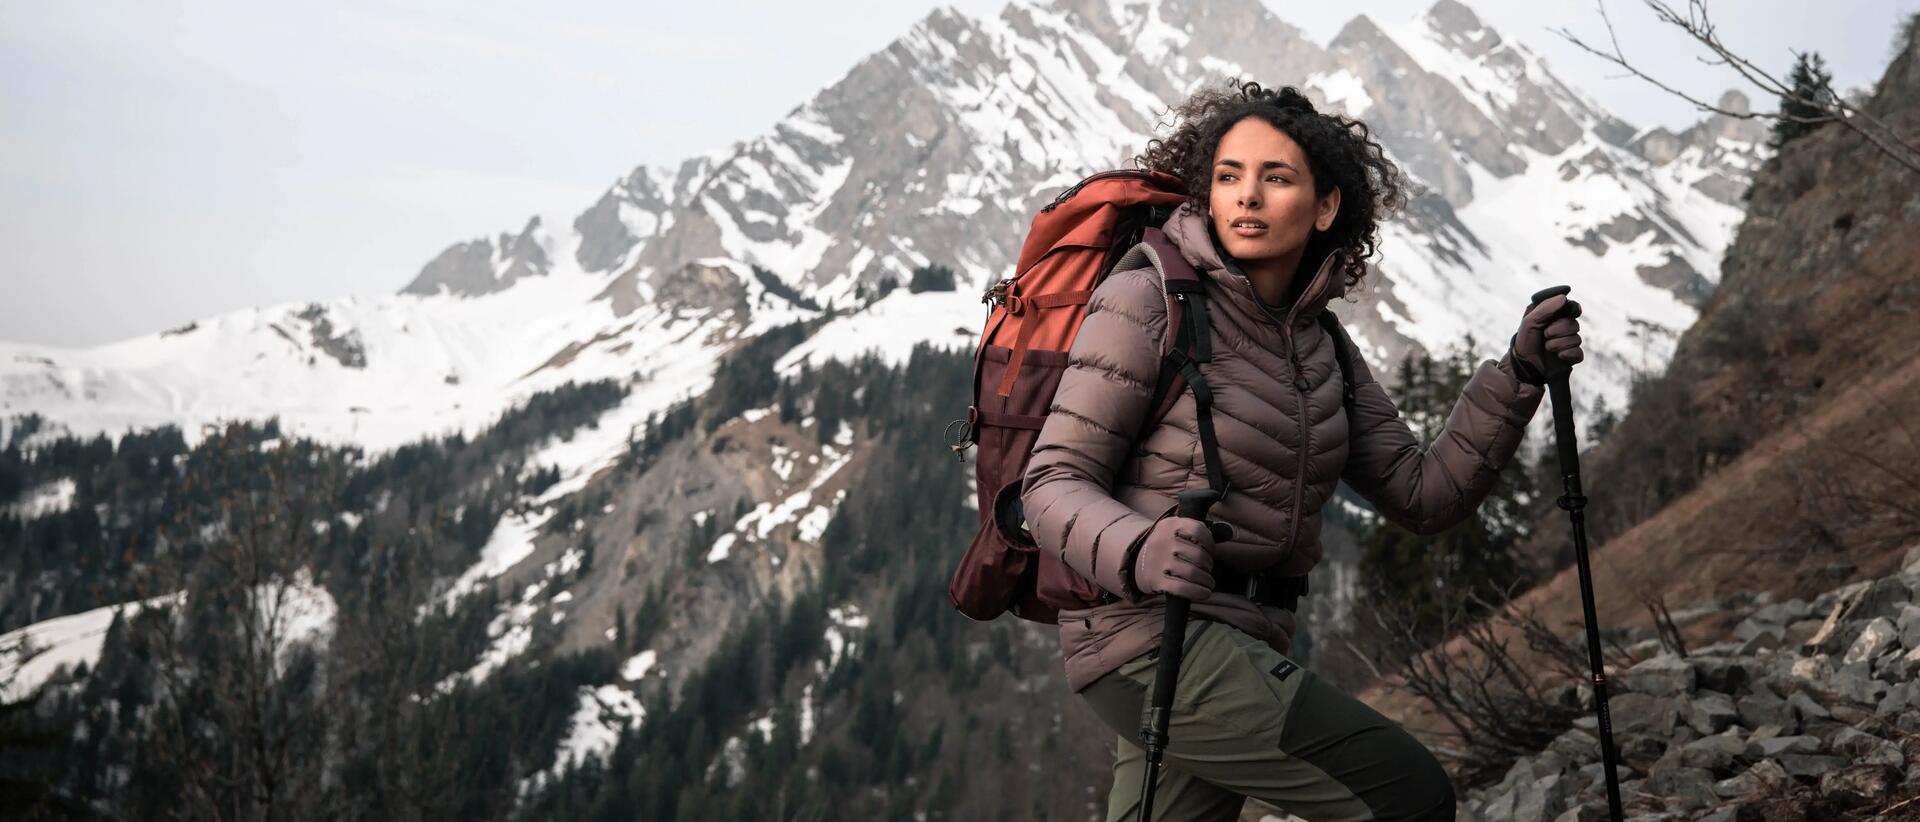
(1543, 333)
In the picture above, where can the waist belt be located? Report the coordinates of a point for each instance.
(1265, 588)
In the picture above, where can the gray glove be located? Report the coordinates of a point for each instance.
(1542, 335)
(1175, 558)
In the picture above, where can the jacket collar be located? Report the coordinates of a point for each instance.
(1192, 233)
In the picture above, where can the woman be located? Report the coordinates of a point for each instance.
(1283, 211)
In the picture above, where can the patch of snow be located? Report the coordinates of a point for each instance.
(637, 666)
(49, 498)
(1344, 90)
(601, 713)
(721, 547)
(31, 655)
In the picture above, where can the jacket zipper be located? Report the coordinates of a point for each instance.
(1306, 448)
(1300, 393)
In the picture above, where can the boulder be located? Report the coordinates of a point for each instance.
(1764, 776)
(1773, 748)
(1804, 708)
(1713, 753)
(1854, 606)
(1636, 714)
(1884, 599)
(1877, 636)
(1544, 798)
(1583, 813)
(1858, 785)
(1844, 595)
(1576, 745)
(1762, 642)
(1763, 708)
(1500, 807)
(1832, 636)
(1811, 672)
(1809, 767)
(1866, 749)
(1890, 667)
(1898, 698)
(1782, 612)
(1594, 775)
(1729, 675)
(1801, 631)
(1692, 786)
(1662, 675)
(1710, 712)
(1750, 628)
(1909, 663)
(1854, 681)
(1909, 625)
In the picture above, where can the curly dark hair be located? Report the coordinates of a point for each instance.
(1341, 152)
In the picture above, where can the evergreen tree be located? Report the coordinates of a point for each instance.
(1429, 581)
(931, 278)
(1810, 80)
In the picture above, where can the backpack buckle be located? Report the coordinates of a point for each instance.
(996, 293)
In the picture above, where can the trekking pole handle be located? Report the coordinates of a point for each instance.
(1194, 503)
(1556, 368)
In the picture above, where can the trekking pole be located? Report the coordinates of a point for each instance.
(1575, 504)
(1194, 503)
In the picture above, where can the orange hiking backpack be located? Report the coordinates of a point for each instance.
(1072, 246)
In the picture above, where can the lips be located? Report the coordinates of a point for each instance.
(1248, 227)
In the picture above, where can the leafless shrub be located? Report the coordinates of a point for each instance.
(1670, 638)
(1851, 497)
(1504, 685)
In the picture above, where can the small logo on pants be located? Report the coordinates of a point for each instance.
(1284, 669)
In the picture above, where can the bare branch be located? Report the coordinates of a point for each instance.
(1697, 24)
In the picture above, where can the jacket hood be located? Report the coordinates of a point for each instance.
(1192, 233)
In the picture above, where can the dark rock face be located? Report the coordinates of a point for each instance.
(484, 266)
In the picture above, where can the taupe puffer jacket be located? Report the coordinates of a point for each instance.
(1090, 491)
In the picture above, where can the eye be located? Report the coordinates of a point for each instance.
(1224, 175)
(1277, 178)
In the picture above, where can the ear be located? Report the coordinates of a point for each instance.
(1328, 208)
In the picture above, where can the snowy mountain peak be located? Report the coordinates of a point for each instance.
(936, 150)
(1456, 25)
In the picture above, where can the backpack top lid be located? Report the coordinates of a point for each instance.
(1075, 220)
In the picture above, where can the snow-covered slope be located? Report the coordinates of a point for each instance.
(935, 150)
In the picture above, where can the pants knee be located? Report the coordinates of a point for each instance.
(1430, 794)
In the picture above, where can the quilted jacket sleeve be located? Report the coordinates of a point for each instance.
(1100, 405)
(1427, 490)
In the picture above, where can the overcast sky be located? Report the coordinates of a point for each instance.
(165, 161)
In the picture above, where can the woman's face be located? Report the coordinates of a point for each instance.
(1262, 200)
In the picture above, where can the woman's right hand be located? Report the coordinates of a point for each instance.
(1176, 559)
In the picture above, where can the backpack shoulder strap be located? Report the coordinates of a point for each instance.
(1188, 343)
(1342, 352)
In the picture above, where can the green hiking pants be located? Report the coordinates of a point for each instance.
(1248, 722)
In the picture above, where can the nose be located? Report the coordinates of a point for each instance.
(1249, 197)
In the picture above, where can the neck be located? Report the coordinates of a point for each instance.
(1273, 277)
